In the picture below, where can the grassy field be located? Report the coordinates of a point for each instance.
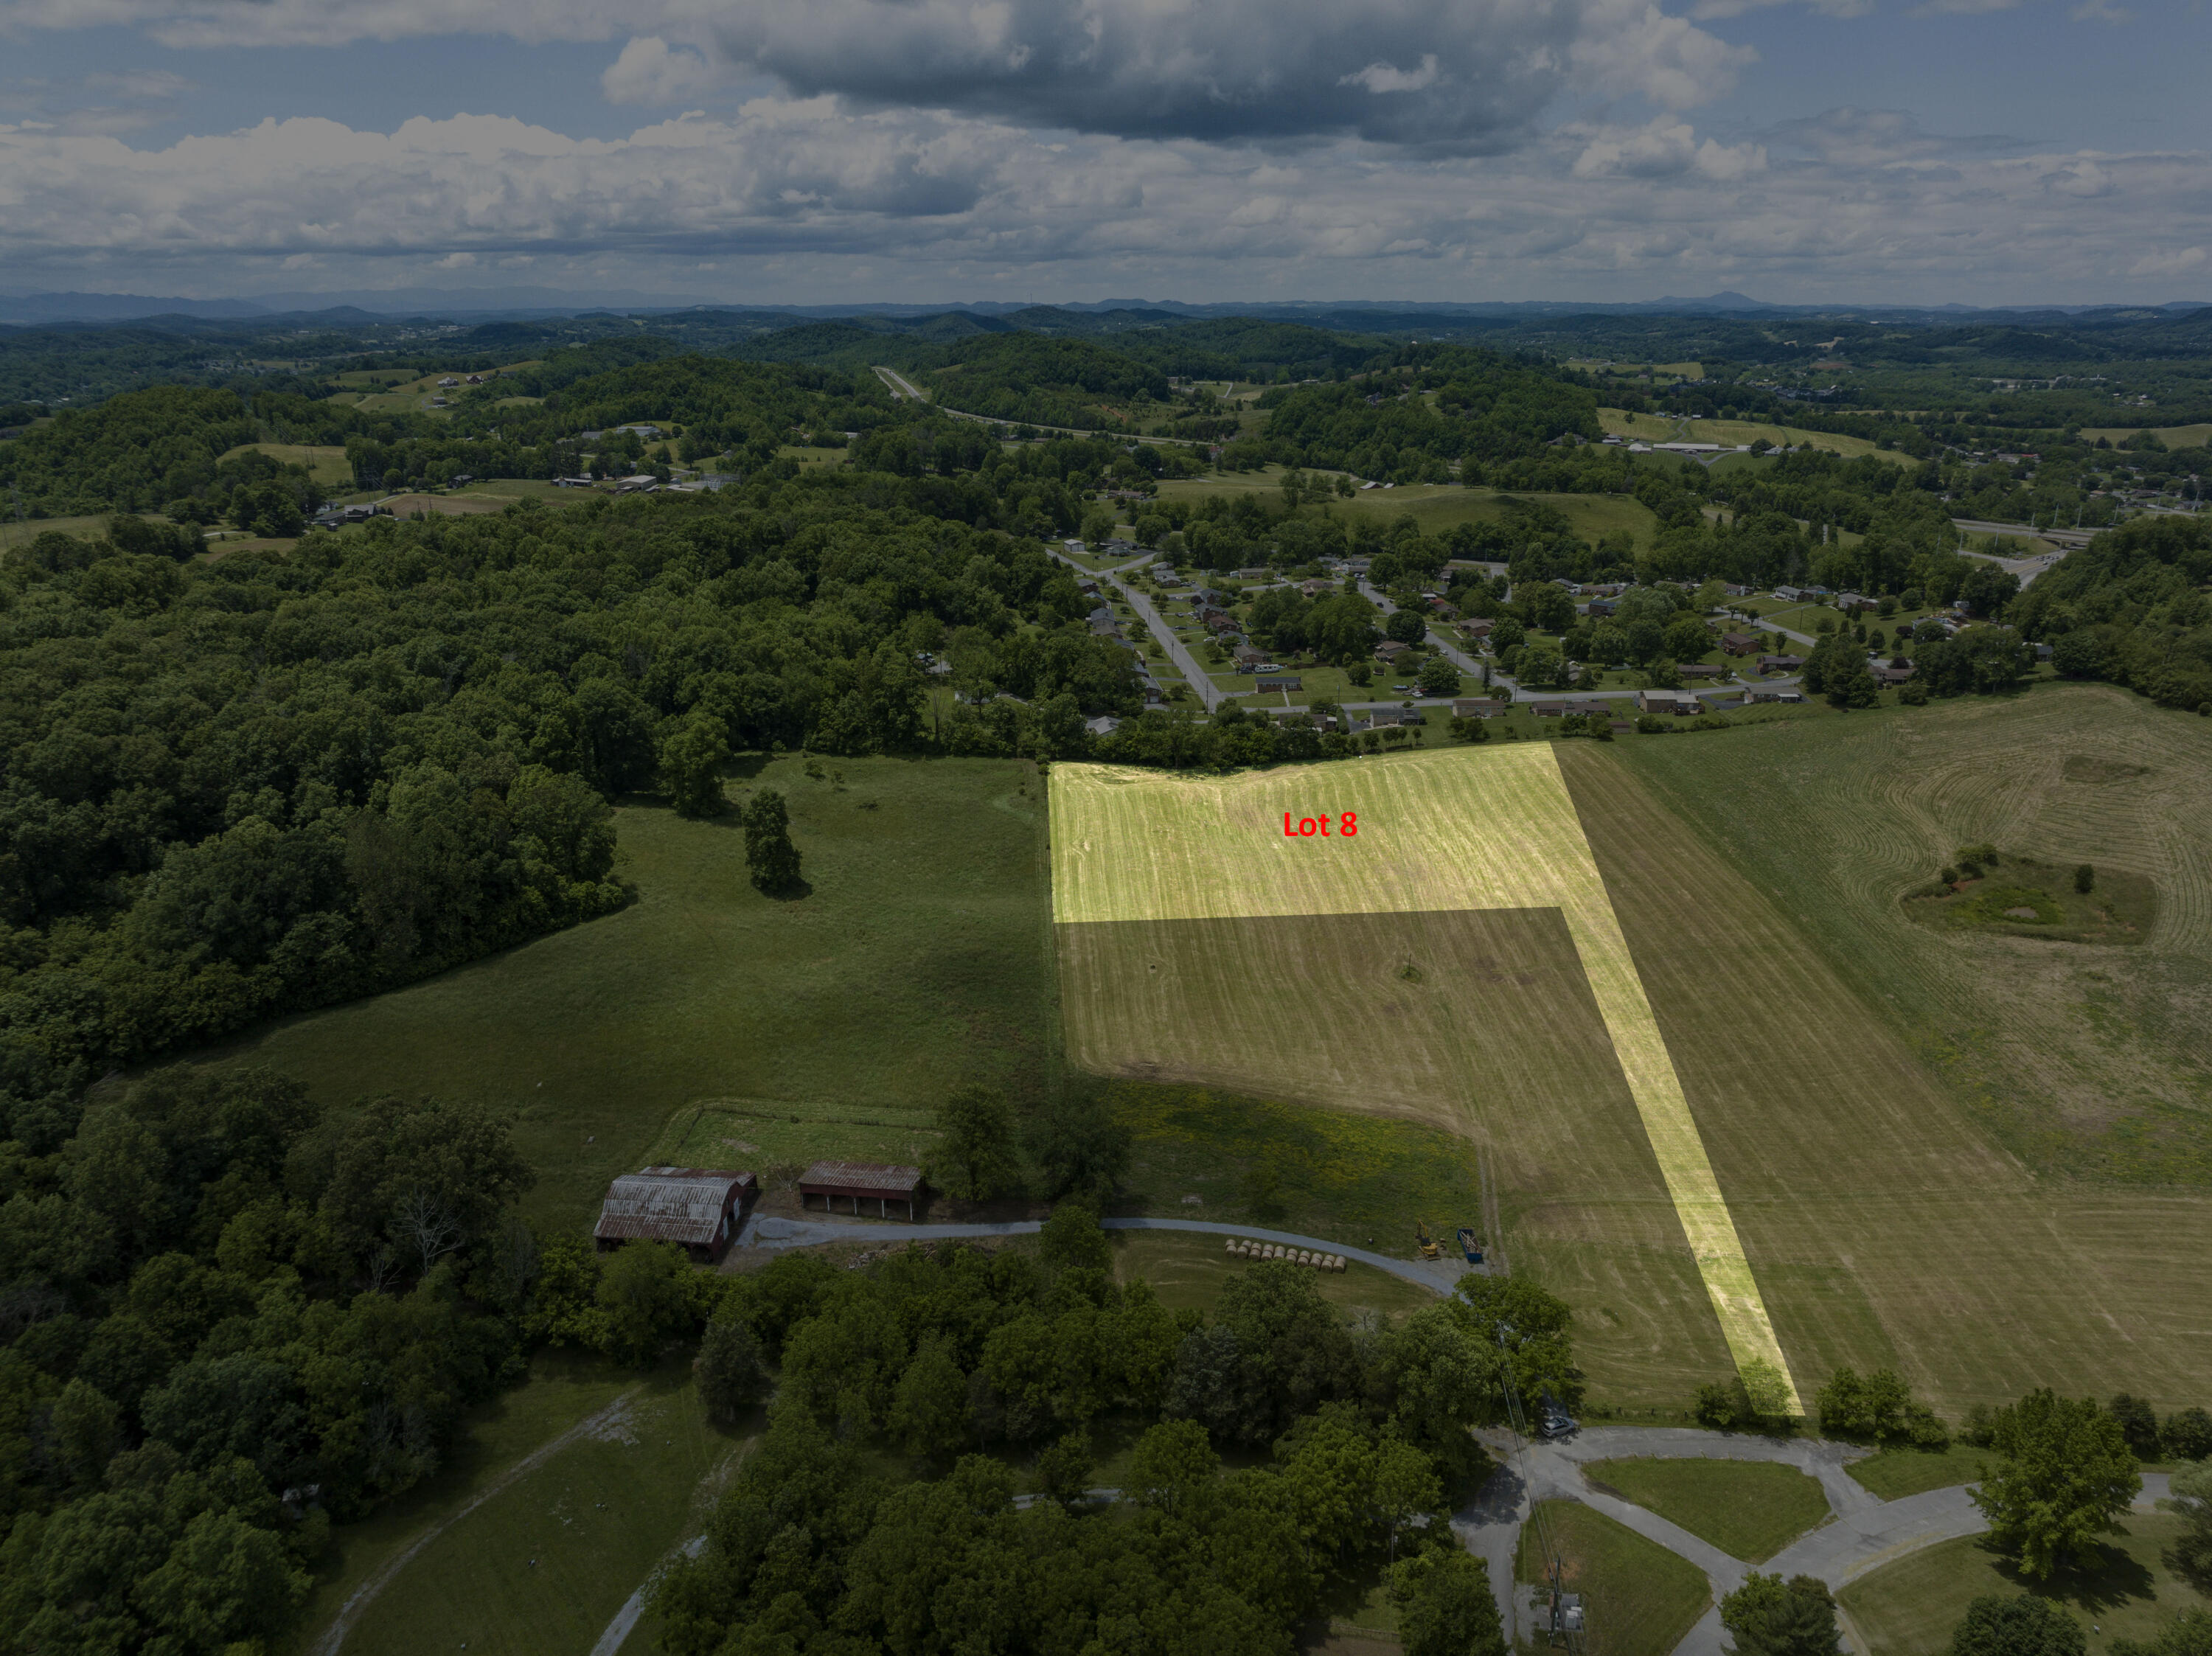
(545, 1562)
(443, 506)
(1910, 1608)
(22, 534)
(1980, 1159)
(1193, 1269)
(2022, 897)
(2171, 436)
(1730, 434)
(327, 465)
(1437, 507)
(1199, 944)
(1355, 1177)
(548, 1450)
(1639, 1598)
(1749, 1509)
(919, 961)
(1896, 1473)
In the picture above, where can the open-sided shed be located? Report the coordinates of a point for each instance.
(861, 1182)
(700, 1209)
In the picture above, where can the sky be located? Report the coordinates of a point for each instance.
(1979, 152)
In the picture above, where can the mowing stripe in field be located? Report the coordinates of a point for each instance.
(1433, 831)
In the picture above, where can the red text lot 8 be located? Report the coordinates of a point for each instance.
(1308, 828)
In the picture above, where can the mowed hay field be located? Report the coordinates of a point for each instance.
(1199, 944)
(1985, 1160)
(919, 961)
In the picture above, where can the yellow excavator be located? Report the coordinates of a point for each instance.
(1428, 1242)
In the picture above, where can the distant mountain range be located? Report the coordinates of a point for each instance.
(480, 305)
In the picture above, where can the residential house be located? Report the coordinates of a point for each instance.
(1895, 671)
(1780, 663)
(1390, 650)
(1740, 644)
(1678, 702)
(1701, 669)
(1283, 682)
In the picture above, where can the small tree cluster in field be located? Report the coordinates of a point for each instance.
(1755, 1398)
(770, 854)
(1878, 1409)
(1073, 1146)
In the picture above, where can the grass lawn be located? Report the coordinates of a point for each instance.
(1920, 1129)
(1638, 1599)
(1749, 1509)
(1192, 1270)
(917, 962)
(544, 1563)
(1896, 1473)
(1910, 1608)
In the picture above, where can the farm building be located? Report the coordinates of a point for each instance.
(698, 1207)
(860, 1182)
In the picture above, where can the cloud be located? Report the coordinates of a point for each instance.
(1710, 8)
(803, 198)
(1382, 77)
(650, 72)
(1875, 138)
(1465, 75)
(1664, 149)
(2101, 11)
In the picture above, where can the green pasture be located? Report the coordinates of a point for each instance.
(2125, 1591)
(1437, 506)
(327, 464)
(545, 1563)
(596, 1511)
(761, 1134)
(2172, 436)
(1360, 1180)
(1640, 1598)
(917, 963)
(1749, 1509)
(91, 527)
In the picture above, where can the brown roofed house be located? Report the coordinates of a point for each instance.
(1780, 663)
(1740, 644)
(861, 1182)
(699, 1208)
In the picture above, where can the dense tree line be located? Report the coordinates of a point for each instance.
(1037, 379)
(2131, 608)
(157, 450)
(944, 1356)
(1446, 409)
(231, 1318)
(242, 788)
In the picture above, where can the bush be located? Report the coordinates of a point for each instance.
(732, 1377)
(2020, 1626)
(1877, 1409)
(2137, 1425)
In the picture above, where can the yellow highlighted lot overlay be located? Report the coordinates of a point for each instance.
(1463, 829)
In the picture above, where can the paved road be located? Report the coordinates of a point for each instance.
(1444, 646)
(1863, 1532)
(1209, 694)
(903, 386)
(1436, 1275)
